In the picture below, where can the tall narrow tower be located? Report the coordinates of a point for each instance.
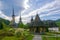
(13, 17)
(13, 24)
(20, 21)
(32, 19)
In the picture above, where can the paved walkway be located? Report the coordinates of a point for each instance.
(37, 37)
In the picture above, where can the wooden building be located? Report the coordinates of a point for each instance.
(37, 26)
(13, 23)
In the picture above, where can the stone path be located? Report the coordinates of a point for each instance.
(37, 37)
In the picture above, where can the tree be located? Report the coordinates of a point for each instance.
(5, 27)
(5, 21)
(58, 22)
(2, 22)
(1, 25)
(26, 26)
(21, 25)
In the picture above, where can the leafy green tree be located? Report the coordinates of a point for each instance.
(21, 25)
(5, 21)
(5, 27)
(26, 26)
(58, 23)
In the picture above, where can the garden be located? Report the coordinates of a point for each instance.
(15, 34)
(51, 36)
(8, 33)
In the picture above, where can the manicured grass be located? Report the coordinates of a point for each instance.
(50, 38)
(10, 38)
(15, 38)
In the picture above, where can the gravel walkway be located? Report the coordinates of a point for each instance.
(37, 37)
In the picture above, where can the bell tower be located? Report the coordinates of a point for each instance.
(20, 20)
(13, 17)
(12, 23)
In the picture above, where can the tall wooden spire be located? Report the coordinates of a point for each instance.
(32, 19)
(37, 18)
(13, 16)
(20, 21)
(13, 24)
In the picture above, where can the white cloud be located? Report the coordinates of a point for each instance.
(51, 13)
(25, 18)
(25, 5)
(4, 16)
(41, 9)
(55, 18)
(48, 7)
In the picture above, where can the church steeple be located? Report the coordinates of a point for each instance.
(37, 18)
(13, 16)
(13, 24)
(32, 19)
(20, 21)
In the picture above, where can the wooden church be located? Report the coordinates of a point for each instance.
(37, 26)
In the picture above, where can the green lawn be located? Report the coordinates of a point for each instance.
(10, 38)
(15, 38)
(50, 36)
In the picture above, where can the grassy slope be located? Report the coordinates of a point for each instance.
(50, 38)
(15, 38)
(9, 38)
(58, 22)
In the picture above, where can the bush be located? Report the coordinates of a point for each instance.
(21, 34)
(24, 35)
(12, 30)
(18, 34)
(3, 33)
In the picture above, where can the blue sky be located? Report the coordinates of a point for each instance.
(47, 9)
